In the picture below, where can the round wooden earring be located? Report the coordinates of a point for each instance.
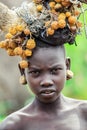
(69, 74)
(22, 80)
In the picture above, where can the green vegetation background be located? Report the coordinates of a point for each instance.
(76, 87)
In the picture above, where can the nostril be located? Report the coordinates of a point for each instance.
(46, 81)
(46, 84)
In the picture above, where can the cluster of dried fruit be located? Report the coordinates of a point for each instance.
(19, 39)
(64, 14)
(15, 43)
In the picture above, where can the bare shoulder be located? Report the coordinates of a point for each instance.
(81, 105)
(16, 120)
(10, 122)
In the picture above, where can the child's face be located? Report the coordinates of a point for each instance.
(47, 73)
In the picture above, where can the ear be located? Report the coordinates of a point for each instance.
(22, 79)
(68, 62)
(69, 73)
(22, 71)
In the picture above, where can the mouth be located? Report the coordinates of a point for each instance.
(48, 92)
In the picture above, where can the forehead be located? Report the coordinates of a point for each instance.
(47, 56)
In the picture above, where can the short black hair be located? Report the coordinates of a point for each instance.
(61, 36)
(41, 44)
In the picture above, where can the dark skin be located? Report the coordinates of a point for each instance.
(50, 110)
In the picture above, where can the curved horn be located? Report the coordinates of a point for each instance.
(8, 17)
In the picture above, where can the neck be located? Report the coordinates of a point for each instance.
(58, 104)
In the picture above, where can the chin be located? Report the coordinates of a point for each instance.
(48, 100)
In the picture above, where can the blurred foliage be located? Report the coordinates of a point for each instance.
(77, 86)
(1, 118)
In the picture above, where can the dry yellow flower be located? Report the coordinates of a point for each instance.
(23, 64)
(10, 52)
(12, 44)
(52, 4)
(26, 31)
(57, 6)
(13, 30)
(57, 0)
(18, 50)
(3, 44)
(68, 14)
(61, 16)
(19, 28)
(78, 24)
(37, 1)
(61, 23)
(53, 11)
(28, 52)
(54, 25)
(72, 19)
(23, 56)
(65, 4)
(31, 44)
(76, 12)
(50, 31)
(39, 7)
(8, 36)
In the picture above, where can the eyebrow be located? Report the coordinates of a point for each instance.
(34, 67)
(50, 67)
(56, 65)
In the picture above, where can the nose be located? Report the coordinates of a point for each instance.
(46, 81)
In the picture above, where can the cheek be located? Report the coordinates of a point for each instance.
(33, 83)
(62, 75)
(60, 80)
(30, 82)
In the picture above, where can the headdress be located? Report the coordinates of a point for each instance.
(52, 21)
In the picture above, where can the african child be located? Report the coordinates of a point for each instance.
(39, 36)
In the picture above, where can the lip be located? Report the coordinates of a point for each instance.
(47, 92)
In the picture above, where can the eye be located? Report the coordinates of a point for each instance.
(34, 73)
(55, 70)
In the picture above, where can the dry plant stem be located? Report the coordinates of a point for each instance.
(74, 1)
(83, 1)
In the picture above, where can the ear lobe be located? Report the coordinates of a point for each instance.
(22, 79)
(68, 63)
(22, 71)
(69, 73)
